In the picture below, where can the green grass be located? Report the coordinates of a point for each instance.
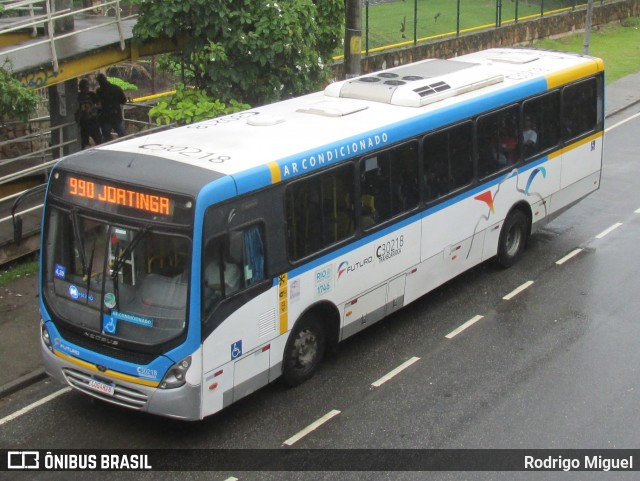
(439, 17)
(618, 45)
(17, 270)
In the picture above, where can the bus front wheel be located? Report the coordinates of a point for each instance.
(513, 238)
(304, 351)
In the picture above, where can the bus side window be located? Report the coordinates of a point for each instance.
(541, 127)
(232, 263)
(579, 111)
(319, 211)
(448, 160)
(388, 184)
(498, 135)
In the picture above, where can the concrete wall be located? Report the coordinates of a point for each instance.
(522, 33)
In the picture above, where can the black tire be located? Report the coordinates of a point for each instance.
(304, 351)
(513, 238)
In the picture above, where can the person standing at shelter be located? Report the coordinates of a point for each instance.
(112, 99)
(87, 115)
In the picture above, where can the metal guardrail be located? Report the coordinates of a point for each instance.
(49, 19)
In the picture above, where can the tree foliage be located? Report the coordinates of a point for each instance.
(16, 102)
(190, 105)
(250, 50)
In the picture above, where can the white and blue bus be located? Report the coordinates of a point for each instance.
(183, 270)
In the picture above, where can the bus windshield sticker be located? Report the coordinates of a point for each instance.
(141, 321)
(109, 324)
(60, 271)
(110, 300)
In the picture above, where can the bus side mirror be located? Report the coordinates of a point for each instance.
(17, 220)
(17, 230)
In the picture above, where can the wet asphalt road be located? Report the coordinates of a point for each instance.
(556, 366)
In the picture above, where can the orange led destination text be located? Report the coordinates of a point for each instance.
(116, 195)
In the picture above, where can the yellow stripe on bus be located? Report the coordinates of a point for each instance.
(108, 372)
(574, 73)
(283, 302)
(276, 176)
(575, 145)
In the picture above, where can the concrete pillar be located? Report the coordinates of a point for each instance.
(63, 103)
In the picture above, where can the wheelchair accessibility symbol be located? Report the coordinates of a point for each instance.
(236, 349)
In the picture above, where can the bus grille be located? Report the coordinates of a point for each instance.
(122, 396)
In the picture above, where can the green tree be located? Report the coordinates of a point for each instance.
(253, 51)
(190, 105)
(16, 102)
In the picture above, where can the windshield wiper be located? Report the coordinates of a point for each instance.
(79, 240)
(121, 259)
(90, 269)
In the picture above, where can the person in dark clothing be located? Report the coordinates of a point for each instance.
(87, 115)
(111, 99)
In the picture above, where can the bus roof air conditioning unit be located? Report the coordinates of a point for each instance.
(417, 84)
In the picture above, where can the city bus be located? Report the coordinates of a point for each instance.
(183, 270)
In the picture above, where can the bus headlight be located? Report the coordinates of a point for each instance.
(176, 375)
(45, 335)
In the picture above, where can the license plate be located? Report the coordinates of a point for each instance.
(102, 387)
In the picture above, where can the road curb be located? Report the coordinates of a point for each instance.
(22, 382)
(620, 109)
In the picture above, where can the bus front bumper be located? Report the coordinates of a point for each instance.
(180, 403)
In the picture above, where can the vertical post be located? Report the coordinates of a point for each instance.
(415, 22)
(458, 19)
(542, 8)
(63, 102)
(517, 1)
(366, 28)
(352, 38)
(587, 28)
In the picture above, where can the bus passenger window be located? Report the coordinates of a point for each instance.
(319, 211)
(579, 114)
(388, 184)
(448, 160)
(541, 125)
(498, 135)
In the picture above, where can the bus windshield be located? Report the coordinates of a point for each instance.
(130, 283)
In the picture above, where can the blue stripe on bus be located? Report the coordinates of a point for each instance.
(307, 266)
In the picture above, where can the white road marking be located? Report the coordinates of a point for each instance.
(467, 324)
(34, 405)
(607, 231)
(517, 291)
(396, 371)
(311, 427)
(621, 122)
(231, 478)
(570, 255)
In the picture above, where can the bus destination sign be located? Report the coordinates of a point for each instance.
(126, 197)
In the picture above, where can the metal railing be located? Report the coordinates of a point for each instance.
(49, 19)
(388, 24)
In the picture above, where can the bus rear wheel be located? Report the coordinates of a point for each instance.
(304, 351)
(513, 238)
